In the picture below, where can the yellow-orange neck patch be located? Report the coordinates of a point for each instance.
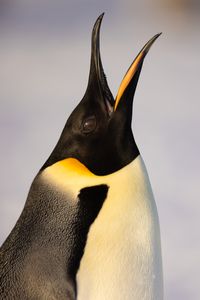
(70, 165)
(69, 172)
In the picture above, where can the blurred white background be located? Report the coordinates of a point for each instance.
(44, 65)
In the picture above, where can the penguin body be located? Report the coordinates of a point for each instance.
(40, 258)
(126, 225)
(89, 228)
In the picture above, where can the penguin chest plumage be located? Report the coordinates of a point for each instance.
(122, 257)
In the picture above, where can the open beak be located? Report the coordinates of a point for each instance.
(97, 79)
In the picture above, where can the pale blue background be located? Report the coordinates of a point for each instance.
(44, 64)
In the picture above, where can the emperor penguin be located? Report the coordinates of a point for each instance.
(89, 229)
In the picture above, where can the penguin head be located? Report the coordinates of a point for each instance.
(98, 132)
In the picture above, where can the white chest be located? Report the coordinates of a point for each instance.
(122, 258)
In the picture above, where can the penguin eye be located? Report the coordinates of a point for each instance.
(89, 124)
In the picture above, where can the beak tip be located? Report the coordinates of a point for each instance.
(99, 19)
(101, 15)
(150, 43)
(158, 34)
(97, 25)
